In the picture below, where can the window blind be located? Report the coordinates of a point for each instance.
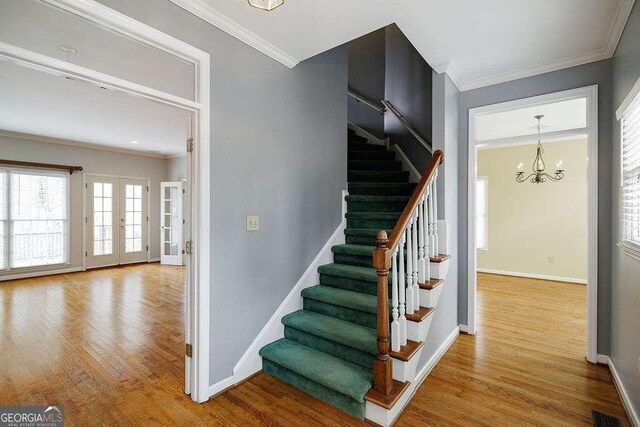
(630, 194)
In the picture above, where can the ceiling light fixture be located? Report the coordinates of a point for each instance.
(539, 175)
(267, 5)
(68, 50)
(135, 142)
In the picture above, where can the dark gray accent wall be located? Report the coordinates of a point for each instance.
(408, 85)
(625, 298)
(279, 151)
(366, 76)
(596, 73)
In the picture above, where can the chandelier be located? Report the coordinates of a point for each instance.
(267, 5)
(539, 175)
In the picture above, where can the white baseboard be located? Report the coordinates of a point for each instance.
(414, 175)
(221, 386)
(154, 260)
(251, 362)
(624, 396)
(465, 329)
(603, 359)
(533, 276)
(30, 274)
(371, 139)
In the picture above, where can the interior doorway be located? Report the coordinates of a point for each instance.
(583, 124)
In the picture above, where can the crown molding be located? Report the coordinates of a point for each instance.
(79, 144)
(231, 27)
(606, 52)
(619, 22)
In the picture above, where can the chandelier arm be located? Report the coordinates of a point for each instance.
(521, 178)
(557, 177)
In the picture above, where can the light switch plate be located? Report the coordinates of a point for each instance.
(253, 223)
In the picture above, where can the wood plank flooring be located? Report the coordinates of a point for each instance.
(108, 344)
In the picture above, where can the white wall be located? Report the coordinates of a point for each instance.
(93, 161)
(530, 222)
(177, 168)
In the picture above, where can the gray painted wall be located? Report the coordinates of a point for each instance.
(177, 168)
(93, 161)
(585, 75)
(408, 85)
(278, 151)
(445, 138)
(366, 76)
(625, 298)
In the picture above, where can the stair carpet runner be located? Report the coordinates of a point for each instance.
(330, 346)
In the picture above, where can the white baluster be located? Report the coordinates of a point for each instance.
(421, 243)
(410, 298)
(432, 244)
(395, 324)
(425, 233)
(435, 217)
(402, 292)
(414, 240)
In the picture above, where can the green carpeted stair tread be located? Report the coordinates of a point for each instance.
(354, 145)
(374, 215)
(356, 138)
(377, 198)
(334, 373)
(382, 184)
(377, 176)
(342, 298)
(353, 249)
(366, 274)
(337, 330)
(370, 155)
(372, 232)
(375, 165)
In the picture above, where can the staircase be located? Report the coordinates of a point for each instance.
(332, 346)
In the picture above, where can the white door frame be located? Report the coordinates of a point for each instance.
(199, 272)
(85, 179)
(591, 95)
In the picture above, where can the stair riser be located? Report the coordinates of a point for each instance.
(340, 401)
(342, 351)
(365, 319)
(371, 155)
(429, 298)
(347, 259)
(382, 224)
(360, 240)
(353, 206)
(375, 165)
(380, 191)
(361, 146)
(349, 284)
(354, 176)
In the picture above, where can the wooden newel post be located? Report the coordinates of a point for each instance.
(382, 374)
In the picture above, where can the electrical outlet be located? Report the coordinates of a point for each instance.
(253, 223)
(551, 260)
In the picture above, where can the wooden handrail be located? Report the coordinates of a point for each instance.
(403, 222)
(385, 247)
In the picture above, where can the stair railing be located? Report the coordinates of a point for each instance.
(366, 101)
(406, 253)
(390, 107)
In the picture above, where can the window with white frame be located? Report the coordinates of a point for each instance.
(33, 218)
(482, 208)
(630, 180)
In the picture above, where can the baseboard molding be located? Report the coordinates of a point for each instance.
(533, 276)
(154, 260)
(428, 367)
(602, 359)
(624, 396)
(371, 139)
(464, 329)
(407, 165)
(30, 274)
(250, 362)
(221, 386)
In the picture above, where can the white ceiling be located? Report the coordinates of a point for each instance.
(558, 116)
(47, 105)
(477, 43)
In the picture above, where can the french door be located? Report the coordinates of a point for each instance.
(117, 221)
(171, 223)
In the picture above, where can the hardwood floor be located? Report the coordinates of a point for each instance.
(108, 344)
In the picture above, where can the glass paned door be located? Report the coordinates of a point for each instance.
(102, 221)
(133, 219)
(171, 223)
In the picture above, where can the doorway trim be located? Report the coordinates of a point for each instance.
(199, 269)
(590, 93)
